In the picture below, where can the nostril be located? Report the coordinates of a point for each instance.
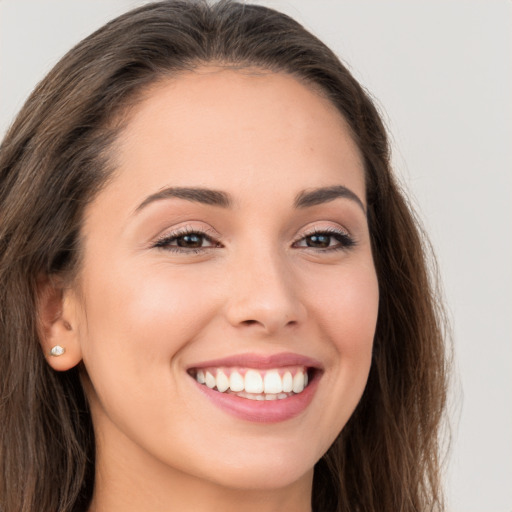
(250, 322)
(257, 322)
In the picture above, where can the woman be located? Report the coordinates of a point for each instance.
(213, 293)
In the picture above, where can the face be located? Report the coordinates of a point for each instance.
(227, 299)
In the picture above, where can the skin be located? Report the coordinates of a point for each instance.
(139, 315)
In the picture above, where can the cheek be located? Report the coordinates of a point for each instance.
(137, 321)
(346, 310)
(141, 305)
(357, 313)
(347, 306)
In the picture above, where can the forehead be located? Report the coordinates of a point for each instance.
(225, 128)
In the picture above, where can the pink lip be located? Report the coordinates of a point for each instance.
(262, 362)
(267, 411)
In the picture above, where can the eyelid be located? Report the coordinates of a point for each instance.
(208, 232)
(319, 228)
(347, 243)
(212, 236)
(324, 229)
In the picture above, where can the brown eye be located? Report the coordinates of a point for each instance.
(326, 241)
(321, 241)
(190, 241)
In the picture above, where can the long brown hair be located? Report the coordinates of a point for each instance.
(55, 158)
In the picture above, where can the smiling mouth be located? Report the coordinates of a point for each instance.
(255, 384)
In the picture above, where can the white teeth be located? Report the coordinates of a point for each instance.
(210, 380)
(298, 382)
(253, 382)
(287, 382)
(236, 382)
(260, 397)
(222, 381)
(272, 382)
(257, 385)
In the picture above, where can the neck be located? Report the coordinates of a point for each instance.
(199, 499)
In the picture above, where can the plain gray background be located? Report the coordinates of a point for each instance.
(441, 73)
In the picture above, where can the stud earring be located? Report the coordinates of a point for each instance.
(57, 351)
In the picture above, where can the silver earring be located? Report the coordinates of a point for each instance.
(57, 351)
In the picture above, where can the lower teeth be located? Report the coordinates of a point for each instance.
(261, 396)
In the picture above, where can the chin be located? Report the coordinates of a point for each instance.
(263, 466)
(263, 477)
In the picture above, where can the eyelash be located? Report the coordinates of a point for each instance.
(345, 241)
(165, 241)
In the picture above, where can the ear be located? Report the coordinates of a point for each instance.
(57, 323)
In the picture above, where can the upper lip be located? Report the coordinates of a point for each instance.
(261, 361)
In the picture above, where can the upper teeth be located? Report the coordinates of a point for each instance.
(254, 381)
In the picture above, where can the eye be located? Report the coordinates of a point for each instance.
(185, 241)
(326, 240)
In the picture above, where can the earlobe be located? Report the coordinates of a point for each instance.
(57, 324)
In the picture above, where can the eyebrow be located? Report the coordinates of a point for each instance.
(195, 194)
(304, 199)
(317, 196)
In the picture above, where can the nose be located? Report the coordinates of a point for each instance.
(263, 294)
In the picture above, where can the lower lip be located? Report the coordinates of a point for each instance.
(262, 411)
